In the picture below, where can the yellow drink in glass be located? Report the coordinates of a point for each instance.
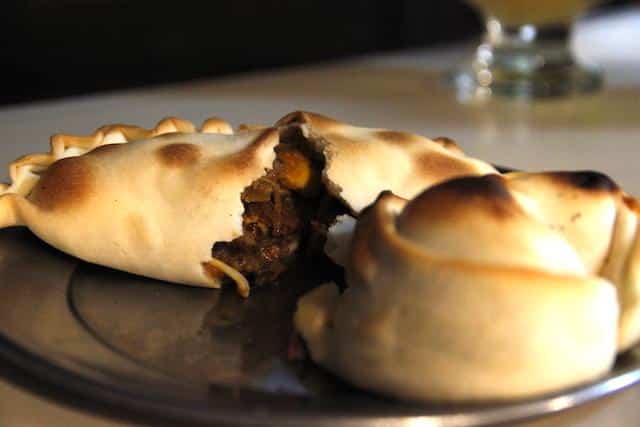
(535, 12)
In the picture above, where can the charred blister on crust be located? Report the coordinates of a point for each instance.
(65, 183)
(488, 194)
(178, 155)
(488, 187)
(586, 180)
(631, 203)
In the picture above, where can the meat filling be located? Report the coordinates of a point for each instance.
(287, 212)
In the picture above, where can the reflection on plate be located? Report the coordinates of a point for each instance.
(202, 355)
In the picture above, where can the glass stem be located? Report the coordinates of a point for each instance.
(523, 50)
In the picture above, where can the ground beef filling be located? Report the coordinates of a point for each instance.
(284, 211)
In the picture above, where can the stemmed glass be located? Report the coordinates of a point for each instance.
(526, 52)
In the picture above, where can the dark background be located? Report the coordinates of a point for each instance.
(54, 48)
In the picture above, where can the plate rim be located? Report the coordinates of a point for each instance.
(110, 400)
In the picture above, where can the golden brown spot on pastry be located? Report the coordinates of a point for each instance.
(585, 180)
(65, 183)
(266, 137)
(395, 137)
(631, 203)
(440, 164)
(488, 186)
(178, 155)
(243, 160)
(238, 162)
(487, 194)
(232, 165)
(576, 216)
(447, 143)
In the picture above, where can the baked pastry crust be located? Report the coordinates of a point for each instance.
(154, 201)
(363, 162)
(492, 287)
(134, 199)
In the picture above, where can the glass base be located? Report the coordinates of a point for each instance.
(567, 80)
(525, 62)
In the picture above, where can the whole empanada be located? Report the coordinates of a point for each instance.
(482, 288)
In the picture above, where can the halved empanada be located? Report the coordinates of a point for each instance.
(363, 162)
(194, 206)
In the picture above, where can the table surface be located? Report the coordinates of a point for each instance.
(403, 91)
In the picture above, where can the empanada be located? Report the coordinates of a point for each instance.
(483, 288)
(363, 162)
(195, 206)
